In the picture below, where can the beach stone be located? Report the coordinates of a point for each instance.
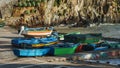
(51, 60)
(88, 56)
(69, 58)
(63, 59)
(56, 59)
(80, 58)
(118, 65)
(108, 62)
(74, 58)
(97, 61)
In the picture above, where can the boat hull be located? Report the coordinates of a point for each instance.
(31, 52)
(83, 38)
(63, 49)
(34, 45)
(29, 43)
(37, 33)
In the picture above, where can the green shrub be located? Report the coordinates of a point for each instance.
(20, 4)
(38, 0)
(27, 0)
(33, 11)
(37, 4)
(27, 12)
(33, 3)
(24, 4)
(29, 4)
(57, 3)
(42, 0)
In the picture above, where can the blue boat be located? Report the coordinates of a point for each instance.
(31, 52)
(38, 29)
(100, 48)
(32, 42)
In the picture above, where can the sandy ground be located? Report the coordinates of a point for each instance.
(8, 60)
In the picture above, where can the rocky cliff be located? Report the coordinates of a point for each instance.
(55, 12)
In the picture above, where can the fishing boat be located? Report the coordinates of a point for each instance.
(31, 52)
(92, 47)
(63, 49)
(61, 36)
(36, 32)
(35, 45)
(83, 38)
(33, 42)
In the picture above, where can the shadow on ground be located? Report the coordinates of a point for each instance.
(49, 66)
(10, 37)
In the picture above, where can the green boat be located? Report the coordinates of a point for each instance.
(83, 38)
(61, 36)
(64, 49)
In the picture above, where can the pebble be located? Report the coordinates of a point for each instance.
(63, 59)
(74, 58)
(50, 60)
(56, 59)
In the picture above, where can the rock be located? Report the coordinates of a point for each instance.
(108, 62)
(74, 58)
(56, 59)
(62, 59)
(97, 61)
(51, 60)
(69, 58)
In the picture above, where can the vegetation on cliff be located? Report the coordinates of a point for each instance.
(55, 12)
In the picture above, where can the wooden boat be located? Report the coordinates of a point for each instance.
(31, 52)
(63, 49)
(83, 38)
(33, 42)
(37, 32)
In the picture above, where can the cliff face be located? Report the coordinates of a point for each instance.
(6, 8)
(54, 12)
